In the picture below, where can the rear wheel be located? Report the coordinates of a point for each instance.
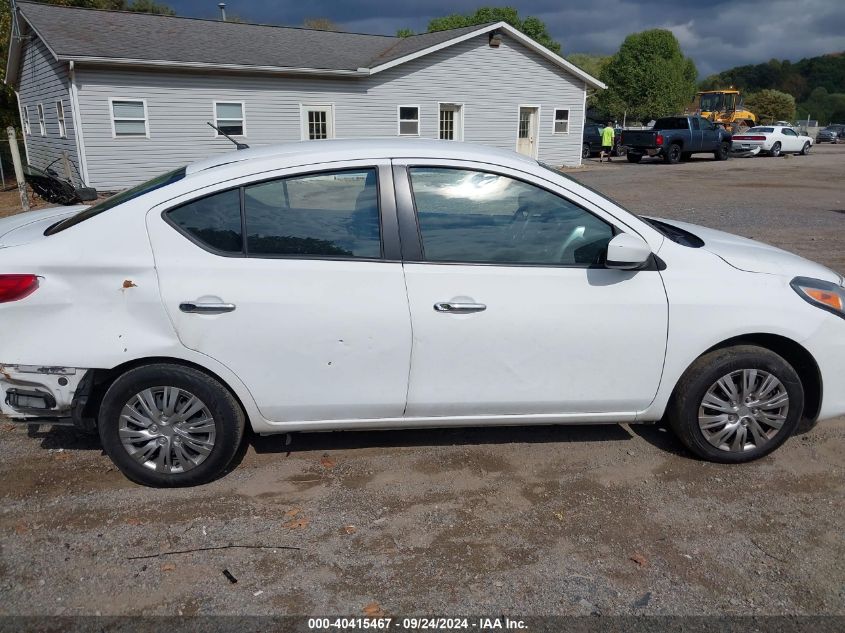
(775, 151)
(673, 154)
(633, 158)
(169, 425)
(723, 152)
(806, 149)
(736, 404)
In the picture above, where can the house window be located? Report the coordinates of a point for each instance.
(27, 128)
(60, 114)
(42, 128)
(129, 117)
(561, 122)
(317, 122)
(229, 117)
(450, 124)
(409, 120)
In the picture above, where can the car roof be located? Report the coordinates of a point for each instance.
(307, 152)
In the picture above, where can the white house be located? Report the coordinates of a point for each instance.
(129, 95)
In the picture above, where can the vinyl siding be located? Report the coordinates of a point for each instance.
(44, 80)
(491, 83)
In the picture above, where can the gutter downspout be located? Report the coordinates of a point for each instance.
(76, 115)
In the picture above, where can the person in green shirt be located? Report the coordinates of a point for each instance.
(606, 142)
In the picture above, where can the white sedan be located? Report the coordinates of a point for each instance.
(396, 283)
(773, 140)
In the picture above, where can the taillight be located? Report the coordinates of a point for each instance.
(743, 137)
(15, 287)
(659, 139)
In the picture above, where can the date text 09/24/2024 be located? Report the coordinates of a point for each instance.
(417, 624)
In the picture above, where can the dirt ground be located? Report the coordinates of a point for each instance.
(607, 520)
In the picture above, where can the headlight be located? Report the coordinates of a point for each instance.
(822, 294)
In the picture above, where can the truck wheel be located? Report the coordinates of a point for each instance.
(585, 151)
(775, 151)
(633, 158)
(619, 151)
(723, 152)
(673, 154)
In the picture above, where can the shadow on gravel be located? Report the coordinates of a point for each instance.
(476, 436)
(64, 437)
(660, 437)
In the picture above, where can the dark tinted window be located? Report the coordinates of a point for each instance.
(330, 214)
(214, 221)
(696, 125)
(672, 123)
(125, 196)
(479, 217)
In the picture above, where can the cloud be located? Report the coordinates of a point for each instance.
(718, 35)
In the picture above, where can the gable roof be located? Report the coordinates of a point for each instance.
(145, 39)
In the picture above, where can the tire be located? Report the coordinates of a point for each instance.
(743, 426)
(806, 149)
(673, 154)
(633, 158)
(208, 448)
(775, 151)
(619, 151)
(723, 152)
(585, 151)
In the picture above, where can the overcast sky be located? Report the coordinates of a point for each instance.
(717, 34)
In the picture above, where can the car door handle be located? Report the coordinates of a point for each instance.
(206, 308)
(459, 308)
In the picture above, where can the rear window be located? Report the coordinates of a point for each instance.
(125, 196)
(672, 123)
(762, 130)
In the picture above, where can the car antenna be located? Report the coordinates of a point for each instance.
(222, 133)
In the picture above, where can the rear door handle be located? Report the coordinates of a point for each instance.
(206, 308)
(459, 308)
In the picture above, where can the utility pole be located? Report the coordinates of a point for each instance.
(16, 160)
(222, 6)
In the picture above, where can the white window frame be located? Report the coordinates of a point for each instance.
(458, 122)
(242, 119)
(146, 119)
(303, 118)
(60, 117)
(42, 124)
(27, 126)
(418, 119)
(555, 120)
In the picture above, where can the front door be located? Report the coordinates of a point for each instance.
(526, 142)
(286, 282)
(512, 312)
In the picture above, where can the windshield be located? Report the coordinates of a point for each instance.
(124, 196)
(712, 102)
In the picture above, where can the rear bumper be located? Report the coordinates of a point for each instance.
(32, 394)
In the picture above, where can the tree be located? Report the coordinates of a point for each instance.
(823, 106)
(648, 78)
(533, 27)
(320, 24)
(771, 105)
(149, 6)
(593, 65)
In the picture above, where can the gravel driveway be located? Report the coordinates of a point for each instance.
(552, 520)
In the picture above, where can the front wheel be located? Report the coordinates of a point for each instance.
(806, 149)
(168, 425)
(736, 404)
(723, 151)
(775, 151)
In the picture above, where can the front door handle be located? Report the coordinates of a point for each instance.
(459, 308)
(206, 308)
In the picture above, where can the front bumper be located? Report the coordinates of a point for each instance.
(827, 346)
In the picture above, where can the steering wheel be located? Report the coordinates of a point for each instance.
(576, 237)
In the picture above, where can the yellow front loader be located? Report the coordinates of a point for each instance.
(725, 107)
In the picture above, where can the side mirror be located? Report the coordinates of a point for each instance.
(627, 252)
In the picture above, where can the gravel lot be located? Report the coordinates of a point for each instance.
(555, 520)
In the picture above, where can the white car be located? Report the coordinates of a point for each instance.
(394, 283)
(773, 140)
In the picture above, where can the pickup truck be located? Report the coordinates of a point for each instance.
(677, 137)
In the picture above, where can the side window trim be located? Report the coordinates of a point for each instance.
(411, 236)
(388, 223)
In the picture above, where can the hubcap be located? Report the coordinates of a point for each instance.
(743, 410)
(167, 429)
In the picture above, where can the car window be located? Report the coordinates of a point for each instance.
(762, 130)
(671, 123)
(329, 214)
(789, 131)
(707, 125)
(695, 124)
(213, 221)
(480, 217)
